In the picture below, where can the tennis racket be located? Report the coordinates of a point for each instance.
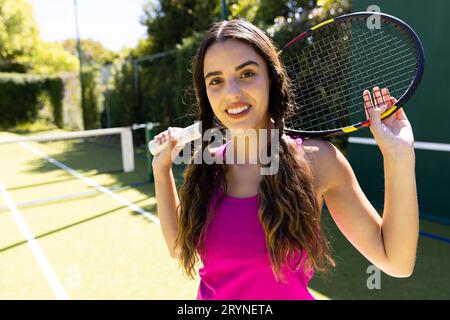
(331, 64)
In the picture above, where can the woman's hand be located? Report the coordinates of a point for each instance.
(163, 160)
(394, 134)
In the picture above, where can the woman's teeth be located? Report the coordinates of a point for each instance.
(238, 110)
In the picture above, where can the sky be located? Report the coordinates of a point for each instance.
(115, 23)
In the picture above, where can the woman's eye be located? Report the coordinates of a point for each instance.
(248, 74)
(214, 82)
(245, 74)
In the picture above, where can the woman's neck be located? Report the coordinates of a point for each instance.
(249, 145)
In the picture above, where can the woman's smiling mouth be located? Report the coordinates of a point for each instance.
(239, 111)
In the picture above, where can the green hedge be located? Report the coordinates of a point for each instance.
(93, 97)
(55, 89)
(20, 98)
(164, 90)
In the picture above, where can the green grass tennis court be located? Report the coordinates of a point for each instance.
(93, 233)
(83, 243)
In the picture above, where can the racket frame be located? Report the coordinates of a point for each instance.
(400, 102)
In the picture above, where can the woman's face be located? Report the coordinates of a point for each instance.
(237, 84)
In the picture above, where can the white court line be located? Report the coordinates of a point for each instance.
(39, 255)
(92, 183)
(417, 145)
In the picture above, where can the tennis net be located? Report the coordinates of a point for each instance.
(121, 135)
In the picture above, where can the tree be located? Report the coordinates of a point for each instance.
(93, 51)
(51, 58)
(19, 33)
(169, 21)
(21, 48)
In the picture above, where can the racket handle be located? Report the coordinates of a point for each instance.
(184, 136)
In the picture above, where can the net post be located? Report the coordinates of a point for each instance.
(148, 137)
(126, 142)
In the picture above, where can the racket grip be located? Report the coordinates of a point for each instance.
(184, 136)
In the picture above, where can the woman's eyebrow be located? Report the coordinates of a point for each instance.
(239, 67)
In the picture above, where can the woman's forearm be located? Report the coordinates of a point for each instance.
(400, 224)
(167, 202)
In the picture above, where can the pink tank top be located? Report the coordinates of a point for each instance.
(236, 264)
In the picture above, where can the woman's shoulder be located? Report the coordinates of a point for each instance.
(318, 148)
(323, 159)
(315, 150)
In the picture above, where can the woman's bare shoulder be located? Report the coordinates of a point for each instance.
(320, 155)
(318, 150)
(315, 150)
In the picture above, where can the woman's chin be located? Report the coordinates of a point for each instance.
(243, 127)
(247, 125)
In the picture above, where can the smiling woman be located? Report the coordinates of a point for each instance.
(237, 89)
(238, 94)
(260, 236)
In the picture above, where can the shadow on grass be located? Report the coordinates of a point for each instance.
(92, 157)
(351, 278)
(65, 179)
(74, 224)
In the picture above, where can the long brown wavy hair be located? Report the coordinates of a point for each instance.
(289, 212)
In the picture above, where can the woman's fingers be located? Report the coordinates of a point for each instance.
(368, 104)
(171, 135)
(168, 136)
(162, 137)
(372, 107)
(387, 103)
(377, 103)
(378, 98)
(390, 121)
(386, 96)
(381, 97)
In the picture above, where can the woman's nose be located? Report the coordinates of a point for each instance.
(233, 90)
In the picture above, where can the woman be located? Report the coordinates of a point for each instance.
(259, 236)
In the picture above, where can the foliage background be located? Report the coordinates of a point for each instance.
(149, 83)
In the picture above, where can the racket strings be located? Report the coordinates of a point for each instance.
(330, 74)
(371, 74)
(318, 75)
(356, 99)
(334, 100)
